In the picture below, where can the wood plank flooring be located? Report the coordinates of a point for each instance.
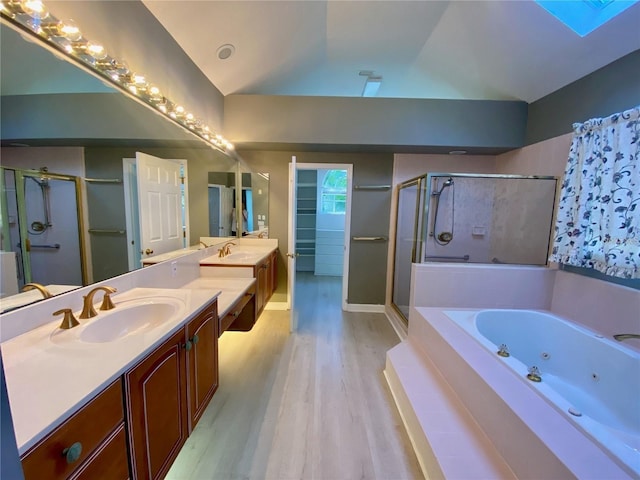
(309, 405)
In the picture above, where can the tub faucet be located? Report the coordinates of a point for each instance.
(87, 309)
(625, 336)
(36, 286)
(225, 250)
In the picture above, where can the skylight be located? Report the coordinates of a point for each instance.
(584, 16)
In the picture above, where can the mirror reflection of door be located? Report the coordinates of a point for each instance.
(158, 202)
(40, 229)
(215, 229)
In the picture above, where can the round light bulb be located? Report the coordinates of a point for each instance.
(35, 9)
(96, 51)
(70, 30)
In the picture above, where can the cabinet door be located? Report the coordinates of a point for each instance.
(274, 272)
(261, 286)
(202, 332)
(110, 462)
(157, 414)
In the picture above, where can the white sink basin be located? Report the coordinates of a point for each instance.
(128, 318)
(243, 256)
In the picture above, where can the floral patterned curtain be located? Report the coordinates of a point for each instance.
(598, 221)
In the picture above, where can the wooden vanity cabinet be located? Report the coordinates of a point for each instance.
(242, 314)
(97, 434)
(168, 391)
(156, 391)
(274, 272)
(265, 273)
(202, 332)
(262, 284)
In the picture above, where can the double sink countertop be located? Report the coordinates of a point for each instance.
(51, 373)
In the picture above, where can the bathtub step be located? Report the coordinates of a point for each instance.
(446, 438)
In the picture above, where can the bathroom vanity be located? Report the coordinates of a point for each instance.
(117, 396)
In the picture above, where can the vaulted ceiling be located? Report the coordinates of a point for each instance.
(492, 50)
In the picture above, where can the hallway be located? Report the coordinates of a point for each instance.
(312, 405)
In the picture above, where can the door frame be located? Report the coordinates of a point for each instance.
(347, 225)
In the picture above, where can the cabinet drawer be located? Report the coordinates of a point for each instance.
(236, 310)
(109, 462)
(89, 426)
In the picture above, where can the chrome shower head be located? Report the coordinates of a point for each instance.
(446, 184)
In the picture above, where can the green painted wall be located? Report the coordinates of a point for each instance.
(611, 89)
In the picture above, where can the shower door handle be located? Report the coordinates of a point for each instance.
(27, 245)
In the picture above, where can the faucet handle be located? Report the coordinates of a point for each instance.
(87, 307)
(69, 321)
(107, 303)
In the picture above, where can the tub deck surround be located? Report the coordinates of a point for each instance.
(47, 382)
(582, 372)
(534, 437)
(447, 440)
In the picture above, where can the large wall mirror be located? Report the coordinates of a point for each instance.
(65, 137)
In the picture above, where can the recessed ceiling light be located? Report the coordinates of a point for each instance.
(225, 51)
(457, 152)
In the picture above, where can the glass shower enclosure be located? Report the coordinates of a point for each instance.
(41, 229)
(470, 218)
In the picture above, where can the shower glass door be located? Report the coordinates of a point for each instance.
(408, 241)
(41, 223)
(483, 218)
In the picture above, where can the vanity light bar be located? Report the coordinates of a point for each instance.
(34, 17)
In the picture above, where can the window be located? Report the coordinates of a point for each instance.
(333, 193)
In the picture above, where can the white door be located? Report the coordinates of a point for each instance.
(160, 206)
(291, 254)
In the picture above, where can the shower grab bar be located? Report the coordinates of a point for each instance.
(369, 239)
(103, 180)
(372, 187)
(445, 257)
(107, 230)
(54, 246)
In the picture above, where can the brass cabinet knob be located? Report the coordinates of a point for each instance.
(148, 251)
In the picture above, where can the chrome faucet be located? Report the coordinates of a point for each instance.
(625, 336)
(36, 286)
(225, 250)
(87, 309)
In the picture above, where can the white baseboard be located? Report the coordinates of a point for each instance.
(396, 322)
(276, 306)
(364, 307)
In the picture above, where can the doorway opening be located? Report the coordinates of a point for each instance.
(319, 237)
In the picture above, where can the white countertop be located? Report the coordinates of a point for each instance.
(242, 255)
(47, 382)
(230, 290)
(161, 257)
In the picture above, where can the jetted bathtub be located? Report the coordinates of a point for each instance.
(592, 380)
